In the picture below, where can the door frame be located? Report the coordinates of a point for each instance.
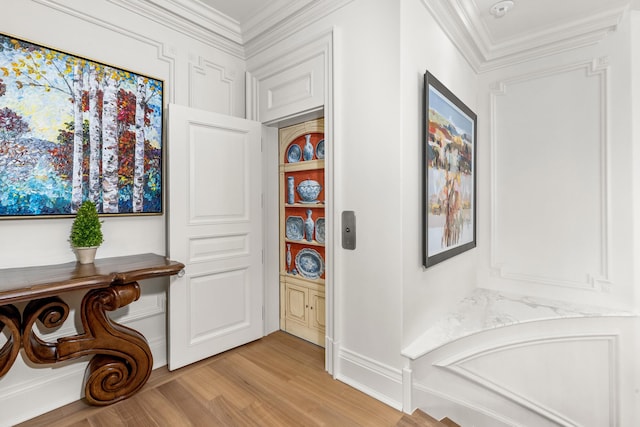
(323, 43)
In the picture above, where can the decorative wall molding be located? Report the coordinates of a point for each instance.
(454, 405)
(145, 307)
(210, 70)
(596, 281)
(538, 373)
(164, 53)
(192, 19)
(267, 27)
(309, 62)
(483, 54)
(455, 364)
(263, 38)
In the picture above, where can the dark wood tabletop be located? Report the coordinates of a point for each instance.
(27, 283)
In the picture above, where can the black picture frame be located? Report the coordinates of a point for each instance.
(449, 174)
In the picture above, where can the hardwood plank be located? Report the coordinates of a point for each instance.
(449, 422)
(186, 403)
(278, 380)
(419, 418)
(107, 418)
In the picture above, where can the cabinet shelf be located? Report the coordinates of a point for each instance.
(303, 166)
(304, 242)
(298, 279)
(305, 205)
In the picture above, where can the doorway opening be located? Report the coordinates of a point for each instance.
(302, 216)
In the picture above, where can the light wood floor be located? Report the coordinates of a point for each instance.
(278, 380)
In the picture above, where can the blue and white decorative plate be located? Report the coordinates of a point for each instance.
(309, 263)
(320, 149)
(320, 230)
(294, 153)
(294, 226)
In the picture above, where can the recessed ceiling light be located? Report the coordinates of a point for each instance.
(501, 8)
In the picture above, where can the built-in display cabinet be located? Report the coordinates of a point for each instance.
(302, 230)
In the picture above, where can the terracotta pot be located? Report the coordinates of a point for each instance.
(86, 255)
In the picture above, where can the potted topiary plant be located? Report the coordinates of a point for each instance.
(86, 232)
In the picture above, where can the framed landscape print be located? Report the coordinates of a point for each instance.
(449, 174)
(72, 129)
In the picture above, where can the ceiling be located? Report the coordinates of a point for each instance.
(530, 17)
(238, 10)
(529, 28)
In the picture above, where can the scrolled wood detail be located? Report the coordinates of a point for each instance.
(10, 319)
(123, 360)
(51, 312)
(109, 379)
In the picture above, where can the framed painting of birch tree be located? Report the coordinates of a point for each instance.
(72, 129)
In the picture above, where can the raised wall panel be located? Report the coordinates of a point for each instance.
(294, 89)
(211, 87)
(549, 373)
(550, 199)
(514, 372)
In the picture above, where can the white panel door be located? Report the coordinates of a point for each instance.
(215, 229)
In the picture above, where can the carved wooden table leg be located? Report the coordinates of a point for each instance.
(122, 362)
(10, 319)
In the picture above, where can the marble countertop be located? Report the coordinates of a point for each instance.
(486, 309)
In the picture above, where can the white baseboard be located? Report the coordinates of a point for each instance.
(371, 377)
(439, 405)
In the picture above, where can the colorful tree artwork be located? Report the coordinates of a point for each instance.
(71, 130)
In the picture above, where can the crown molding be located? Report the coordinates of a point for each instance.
(193, 19)
(284, 23)
(269, 17)
(201, 22)
(471, 37)
(165, 53)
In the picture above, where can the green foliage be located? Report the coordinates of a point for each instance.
(86, 229)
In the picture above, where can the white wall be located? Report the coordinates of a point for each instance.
(557, 176)
(634, 53)
(428, 293)
(367, 151)
(195, 73)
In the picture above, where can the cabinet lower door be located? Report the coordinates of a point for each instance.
(316, 311)
(297, 304)
(304, 313)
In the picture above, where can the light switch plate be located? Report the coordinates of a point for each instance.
(348, 230)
